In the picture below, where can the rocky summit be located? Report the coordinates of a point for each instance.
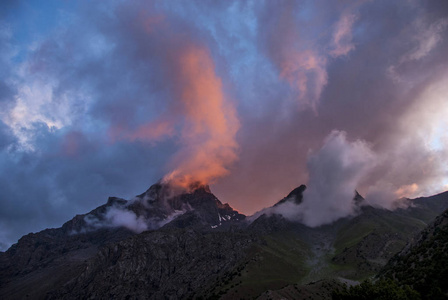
(295, 196)
(171, 243)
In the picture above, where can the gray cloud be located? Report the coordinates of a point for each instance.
(335, 172)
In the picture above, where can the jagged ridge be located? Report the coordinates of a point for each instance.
(196, 255)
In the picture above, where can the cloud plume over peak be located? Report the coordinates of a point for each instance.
(197, 113)
(208, 145)
(335, 172)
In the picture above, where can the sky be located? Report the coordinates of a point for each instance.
(105, 98)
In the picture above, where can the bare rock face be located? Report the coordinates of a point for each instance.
(295, 196)
(165, 264)
(162, 203)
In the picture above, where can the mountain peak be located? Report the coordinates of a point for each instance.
(297, 192)
(198, 186)
(166, 202)
(165, 189)
(359, 199)
(296, 195)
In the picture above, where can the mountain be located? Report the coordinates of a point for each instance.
(418, 271)
(160, 202)
(44, 262)
(171, 243)
(423, 263)
(296, 196)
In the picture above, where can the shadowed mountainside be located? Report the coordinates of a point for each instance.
(181, 244)
(423, 263)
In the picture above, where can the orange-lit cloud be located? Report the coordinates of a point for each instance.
(406, 191)
(197, 112)
(210, 122)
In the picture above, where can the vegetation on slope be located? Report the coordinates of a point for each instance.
(380, 290)
(424, 265)
(420, 271)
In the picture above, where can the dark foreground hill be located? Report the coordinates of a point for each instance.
(423, 264)
(419, 271)
(175, 244)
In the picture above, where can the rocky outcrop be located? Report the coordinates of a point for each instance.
(295, 196)
(169, 264)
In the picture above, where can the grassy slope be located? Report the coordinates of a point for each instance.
(358, 248)
(367, 242)
(279, 260)
(362, 245)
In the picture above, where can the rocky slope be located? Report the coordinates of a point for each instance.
(43, 265)
(169, 264)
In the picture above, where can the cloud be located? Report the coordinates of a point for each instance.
(359, 98)
(197, 112)
(299, 45)
(7, 138)
(341, 167)
(7, 52)
(426, 35)
(306, 72)
(335, 172)
(137, 215)
(208, 134)
(153, 132)
(298, 62)
(112, 97)
(35, 106)
(342, 42)
(109, 118)
(70, 174)
(115, 217)
(414, 163)
(426, 38)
